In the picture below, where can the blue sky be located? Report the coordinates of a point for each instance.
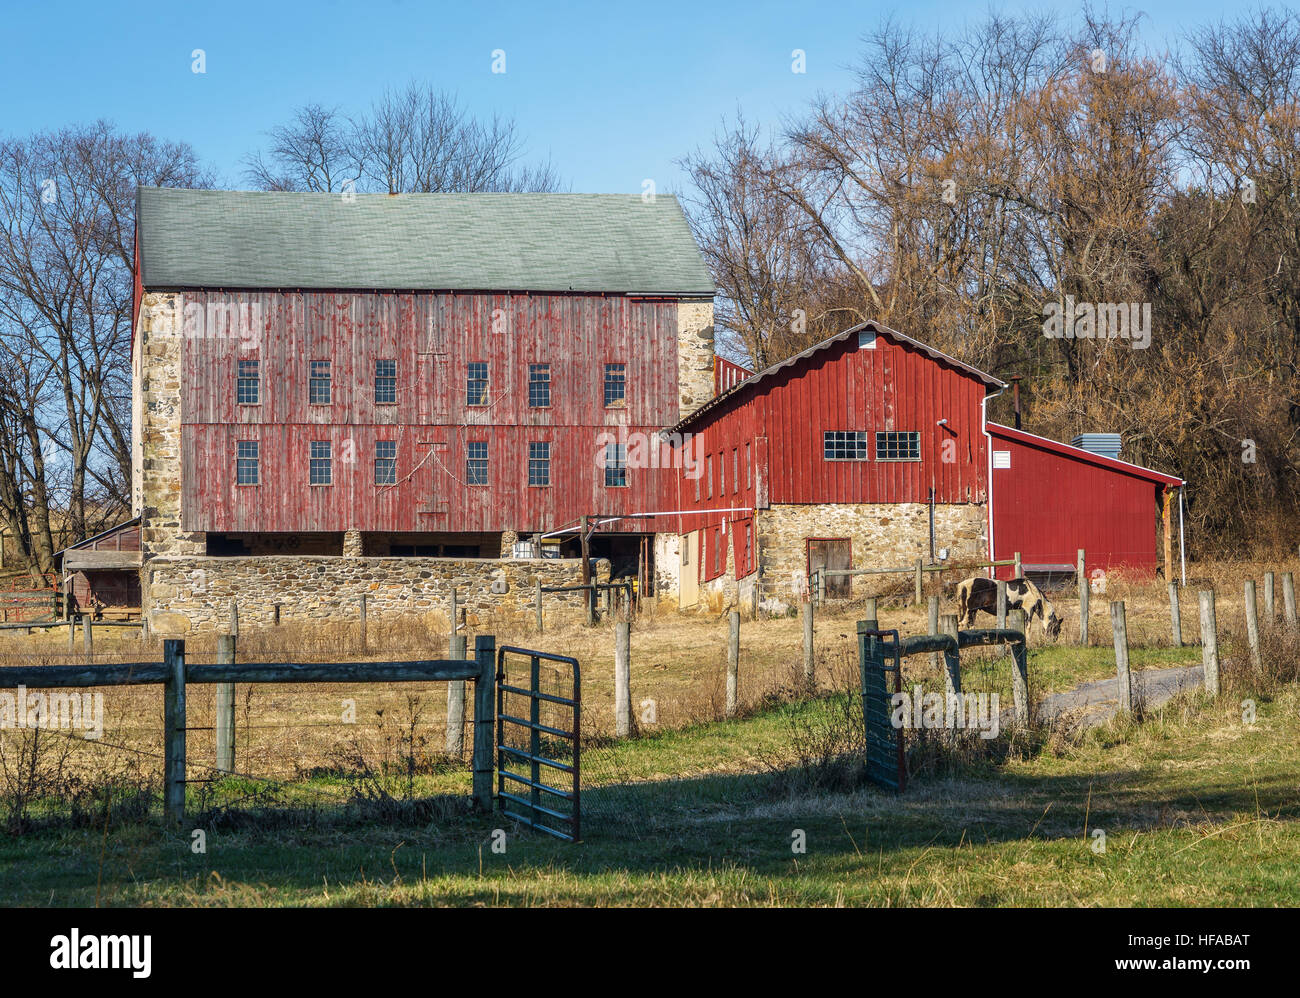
(613, 93)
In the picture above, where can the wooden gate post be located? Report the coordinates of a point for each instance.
(622, 679)
(454, 737)
(1175, 616)
(809, 677)
(87, 633)
(234, 618)
(951, 659)
(1252, 625)
(537, 600)
(1209, 643)
(1083, 600)
(362, 602)
(455, 613)
(733, 663)
(1017, 621)
(226, 708)
(1019, 573)
(485, 646)
(918, 582)
(1288, 600)
(72, 634)
(1123, 677)
(174, 731)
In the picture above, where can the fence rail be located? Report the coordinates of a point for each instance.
(174, 674)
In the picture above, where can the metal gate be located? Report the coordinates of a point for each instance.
(540, 730)
(886, 750)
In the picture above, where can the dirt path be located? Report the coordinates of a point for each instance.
(1100, 700)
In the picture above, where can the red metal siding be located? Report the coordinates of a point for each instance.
(432, 337)
(1048, 505)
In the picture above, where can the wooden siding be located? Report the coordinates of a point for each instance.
(844, 387)
(432, 337)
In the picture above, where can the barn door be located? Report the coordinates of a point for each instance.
(834, 553)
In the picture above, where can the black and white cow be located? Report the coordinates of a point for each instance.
(979, 593)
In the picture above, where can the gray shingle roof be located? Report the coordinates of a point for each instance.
(516, 242)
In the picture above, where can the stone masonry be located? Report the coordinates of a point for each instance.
(694, 354)
(194, 594)
(884, 535)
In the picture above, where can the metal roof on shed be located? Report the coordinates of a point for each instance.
(412, 242)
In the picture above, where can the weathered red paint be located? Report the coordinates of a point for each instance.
(765, 446)
(432, 337)
(1055, 499)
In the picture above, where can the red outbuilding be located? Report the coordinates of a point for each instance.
(1051, 499)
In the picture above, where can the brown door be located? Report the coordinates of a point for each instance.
(832, 552)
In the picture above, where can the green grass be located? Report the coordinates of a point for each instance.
(1198, 808)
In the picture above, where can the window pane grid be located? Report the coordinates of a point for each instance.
(246, 462)
(320, 471)
(248, 387)
(539, 386)
(897, 445)
(539, 463)
(319, 386)
(386, 462)
(845, 445)
(385, 382)
(476, 462)
(615, 384)
(476, 383)
(615, 465)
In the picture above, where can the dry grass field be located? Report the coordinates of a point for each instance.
(299, 759)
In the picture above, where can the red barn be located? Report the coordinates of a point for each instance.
(866, 450)
(413, 376)
(1052, 499)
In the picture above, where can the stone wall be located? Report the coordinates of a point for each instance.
(884, 535)
(160, 335)
(694, 355)
(194, 594)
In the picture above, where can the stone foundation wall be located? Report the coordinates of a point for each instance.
(193, 594)
(883, 535)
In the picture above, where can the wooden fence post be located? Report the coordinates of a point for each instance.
(809, 677)
(934, 629)
(1252, 625)
(72, 634)
(1288, 600)
(1270, 617)
(234, 618)
(1002, 608)
(869, 611)
(733, 663)
(917, 583)
(1083, 600)
(1019, 572)
(951, 660)
(485, 646)
(537, 600)
(1020, 666)
(454, 737)
(225, 721)
(1209, 643)
(362, 601)
(1175, 616)
(1124, 678)
(88, 636)
(174, 731)
(455, 613)
(622, 679)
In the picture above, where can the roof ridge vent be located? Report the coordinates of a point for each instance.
(1105, 444)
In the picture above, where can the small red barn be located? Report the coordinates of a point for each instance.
(1050, 499)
